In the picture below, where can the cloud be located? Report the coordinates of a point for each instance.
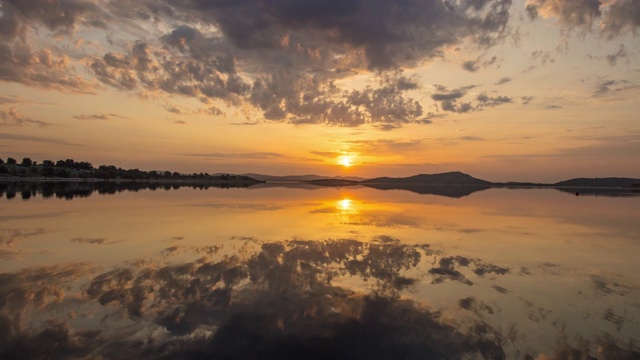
(16, 137)
(504, 80)
(385, 146)
(13, 117)
(448, 100)
(383, 34)
(612, 17)
(253, 155)
(328, 154)
(612, 59)
(488, 101)
(93, 241)
(9, 100)
(471, 138)
(39, 68)
(615, 90)
(475, 65)
(282, 57)
(543, 56)
(98, 116)
(573, 14)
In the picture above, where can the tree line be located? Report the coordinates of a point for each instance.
(70, 168)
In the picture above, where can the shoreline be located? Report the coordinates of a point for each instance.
(34, 179)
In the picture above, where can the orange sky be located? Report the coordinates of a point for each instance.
(535, 90)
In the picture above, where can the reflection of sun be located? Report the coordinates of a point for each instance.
(345, 160)
(344, 204)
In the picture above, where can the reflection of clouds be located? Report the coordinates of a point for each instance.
(9, 237)
(7, 254)
(383, 218)
(274, 300)
(94, 241)
(324, 210)
(241, 206)
(34, 216)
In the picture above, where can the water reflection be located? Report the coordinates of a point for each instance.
(345, 205)
(283, 300)
(330, 273)
(337, 298)
(72, 189)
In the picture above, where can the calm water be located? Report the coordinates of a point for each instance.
(311, 272)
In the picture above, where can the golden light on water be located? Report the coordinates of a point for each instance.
(345, 204)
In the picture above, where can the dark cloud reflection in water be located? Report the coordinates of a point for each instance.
(283, 300)
(295, 299)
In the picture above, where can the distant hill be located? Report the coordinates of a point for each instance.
(334, 182)
(301, 178)
(600, 182)
(448, 190)
(449, 178)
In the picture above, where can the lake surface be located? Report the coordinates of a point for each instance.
(284, 271)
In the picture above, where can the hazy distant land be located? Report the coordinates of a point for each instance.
(452, 184)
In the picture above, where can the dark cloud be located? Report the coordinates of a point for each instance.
(612, 59)
(526, 100)
(60, 17)
(612, 17)
(387, 33)
(92, 241)
(484, 100)
(615, 89)
(12, 117)
(475, 65)
(573, 14)
(623, 16)
(543, 57)
(449, 100)
(504, 80)
(303, 47)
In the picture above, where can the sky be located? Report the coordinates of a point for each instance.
(504, 90)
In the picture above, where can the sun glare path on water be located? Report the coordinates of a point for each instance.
(344, 204)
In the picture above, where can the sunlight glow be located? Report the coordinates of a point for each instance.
(345, 160)
(344, 204)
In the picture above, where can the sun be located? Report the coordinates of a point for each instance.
(345, 160)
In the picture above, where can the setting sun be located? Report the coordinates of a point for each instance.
(345, 160)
